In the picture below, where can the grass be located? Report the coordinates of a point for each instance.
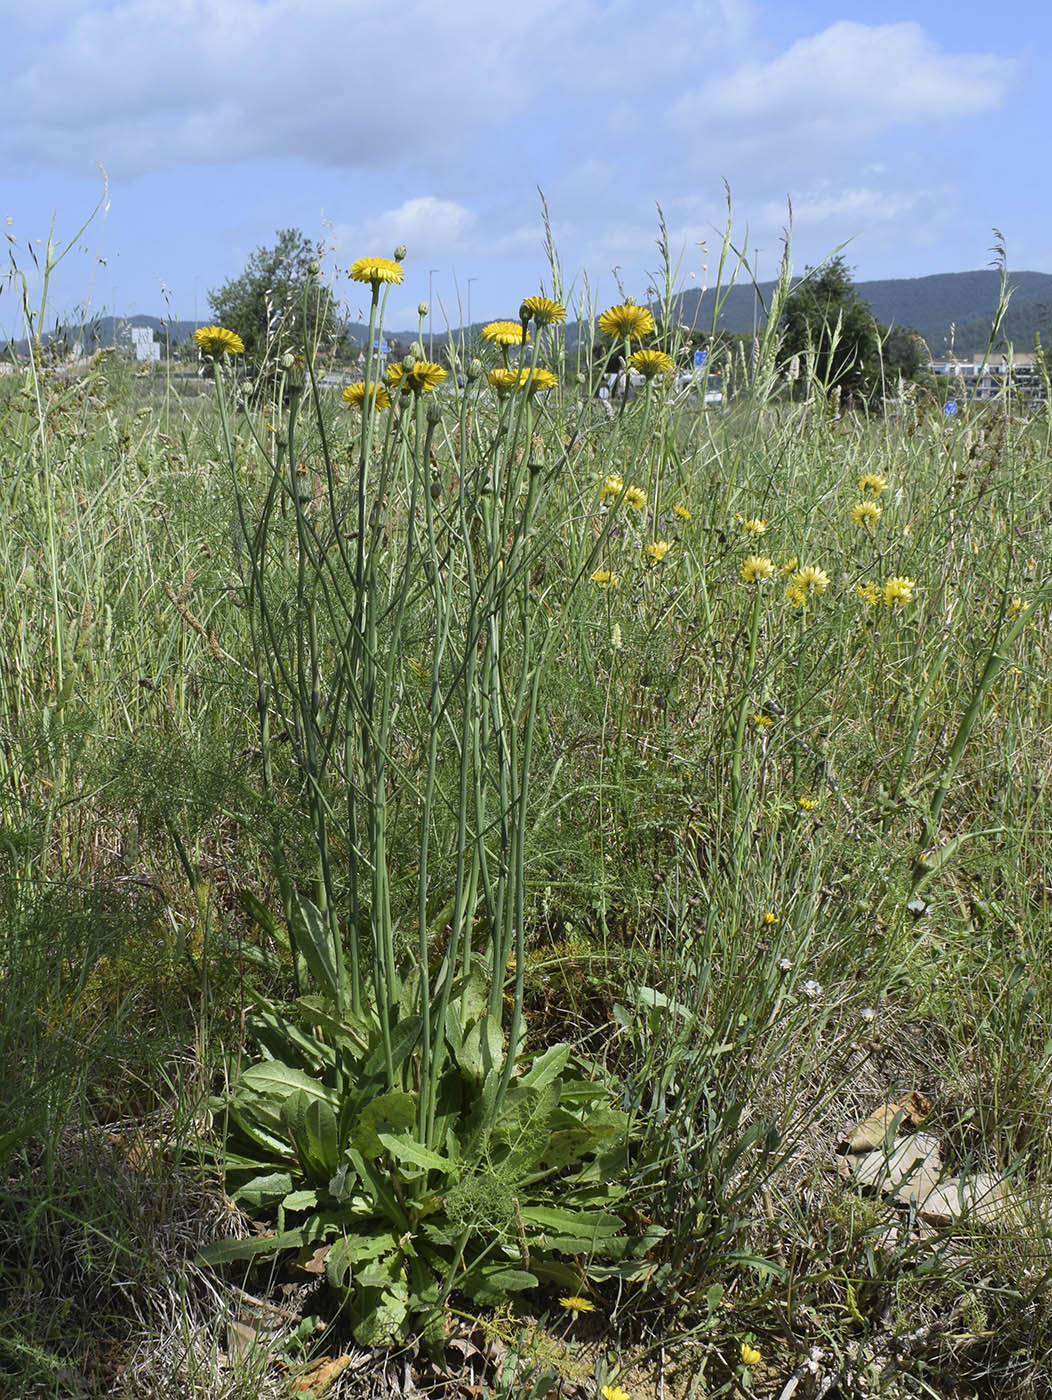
(778, 865)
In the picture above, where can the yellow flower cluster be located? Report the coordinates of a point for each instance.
(509, 381)
(604, 578)
(682, 512)
(356, 394)
(806, 583)
(626, 320)
(636, 497)
(217, 340)
(649, 363)
(424, 376)
(757, 569)
(866, 514)
(611, 488)
(898, 591)
(376, 270)
(542, 311)
(505, 333)
(658, 550)
(753, 526)
(872, 484)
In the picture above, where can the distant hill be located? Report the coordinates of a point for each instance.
(960, 305)
(946, 308)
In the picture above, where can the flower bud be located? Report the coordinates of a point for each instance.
(409, 361)
(288, 360)
(313, 267)
(423, 309)
(417, 350)
(400, 252)
(475, 368)
(434, 412)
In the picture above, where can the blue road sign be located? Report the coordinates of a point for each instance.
(700, 356)
(950, 408)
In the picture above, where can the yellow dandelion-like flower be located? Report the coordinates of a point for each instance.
(866, 514)
(811, 579)
(611, 488)
(542, 311)
(217, 340)
(658, 550)
(790, 566)
(356, 394)
(1017, 606)
(872, 484)
(750, 1356)
(762, 721)
(517, 381)
(425, 376)
(795, 594)
(770, 917)
(504, 333)
(376, 270)
(577, 1305)
(754, 526)
(807, 804)
(898, 591)
(636, 497)
(395, 377)
(682, 512)
(614, 1392)
(625, 320)
(605, 578)
(648, 363)
(869, 593)
(757, 569)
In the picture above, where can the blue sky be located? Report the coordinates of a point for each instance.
(217, 122)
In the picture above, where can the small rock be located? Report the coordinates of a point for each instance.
(897, 1170)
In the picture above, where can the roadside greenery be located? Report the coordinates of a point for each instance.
(470, 851)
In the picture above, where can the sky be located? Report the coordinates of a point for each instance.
(196, 129)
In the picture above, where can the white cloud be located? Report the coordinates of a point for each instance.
(854, 78)
(429, 227)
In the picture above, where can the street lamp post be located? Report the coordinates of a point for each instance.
(470, 280)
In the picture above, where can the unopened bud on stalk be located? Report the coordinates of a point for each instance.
(423, 309)
(400, 252)
(434, 412)
(417, 349)
(288, 360)
(475, 368)
(313, 267)
(409, 361)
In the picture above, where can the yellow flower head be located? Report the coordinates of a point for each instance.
(636, 497)
(543, 311)
(750, 1356)
(756, 526)
(611, 488)
(376, 270)
(866, 514)
(795, 594)
(505, 333)
(898, 591)
(625, 320)
(871, 484)
(508, 381)
(605, 579)
(614, 1392)
(757, 569)
(807, 804)
(648, 363)
(790, 566)
(811, 579)
(1017, 606)
(762, 721)
(356, 394)
(869, 593)
(216, 340)
(770, 917)
(658, 550)
(682, 512)
(577, 1305)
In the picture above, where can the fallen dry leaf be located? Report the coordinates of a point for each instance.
(318, 1377)
(875, 1130)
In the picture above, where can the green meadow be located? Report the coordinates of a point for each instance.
(477, 860)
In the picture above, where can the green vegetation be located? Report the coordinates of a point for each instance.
(468, 858)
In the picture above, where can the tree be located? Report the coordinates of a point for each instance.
(266, 304)
(832, 330)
